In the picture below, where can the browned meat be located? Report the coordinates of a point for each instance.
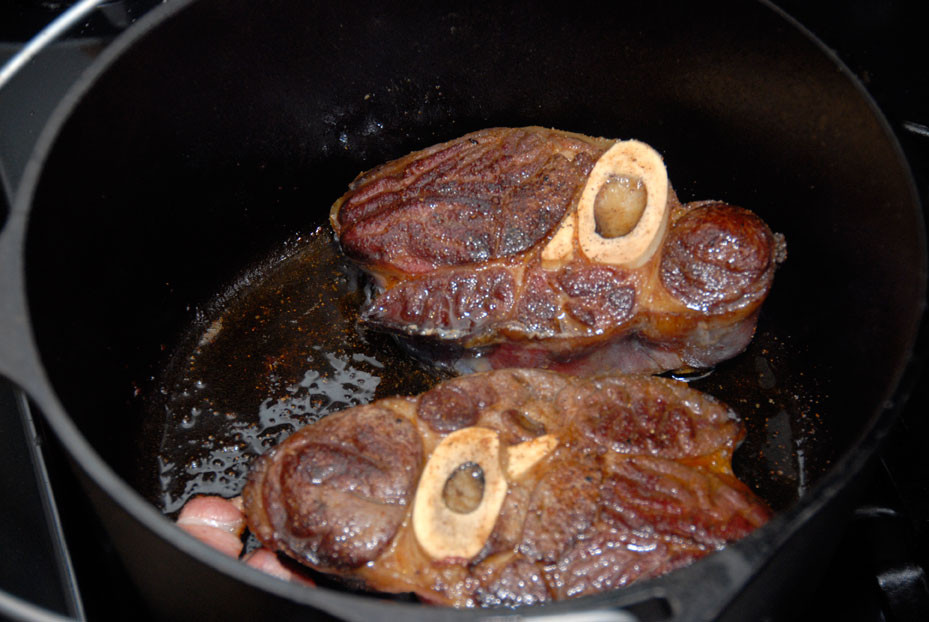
(510, 487)
(504, 245)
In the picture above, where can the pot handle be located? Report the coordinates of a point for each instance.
(118, 13)
(64, 22)
(17, 354)
(50, 591)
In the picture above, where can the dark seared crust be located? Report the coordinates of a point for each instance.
(599, 297)
(470, 301)
(665, 497)
(336, 493)
(718, 258)
(611, 559)
(639, 484)
(454, 235)
(562, 508)
(487, 195)
(651, 416)
(452, 406)
(514, 583)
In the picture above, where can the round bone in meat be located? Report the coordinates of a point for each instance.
(532, 247)
(612, 227)
(617, 478)
(441, 531)
(522, 457)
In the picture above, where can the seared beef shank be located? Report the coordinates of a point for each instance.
(540, 248)
(509, 487)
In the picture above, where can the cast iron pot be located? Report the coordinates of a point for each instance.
(214, 129)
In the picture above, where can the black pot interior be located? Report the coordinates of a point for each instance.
(232, 126)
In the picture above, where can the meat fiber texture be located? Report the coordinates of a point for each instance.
(638, 483)
(453, 236)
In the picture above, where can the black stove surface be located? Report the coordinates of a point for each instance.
(879, 571)
(66, 569)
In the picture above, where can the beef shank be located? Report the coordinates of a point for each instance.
(530, 247)
(509, 487)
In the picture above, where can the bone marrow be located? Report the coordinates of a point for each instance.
(552, 486)
(623, 209)
(554, 250)
(447, 532)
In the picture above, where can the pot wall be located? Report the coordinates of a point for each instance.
(227, 127)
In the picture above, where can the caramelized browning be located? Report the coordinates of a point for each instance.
(556, 250)
(486, 196)
(719, 258)
(630, 479)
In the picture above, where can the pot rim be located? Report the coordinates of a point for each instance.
(748, 555)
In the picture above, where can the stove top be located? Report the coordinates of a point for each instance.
(57, 565)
